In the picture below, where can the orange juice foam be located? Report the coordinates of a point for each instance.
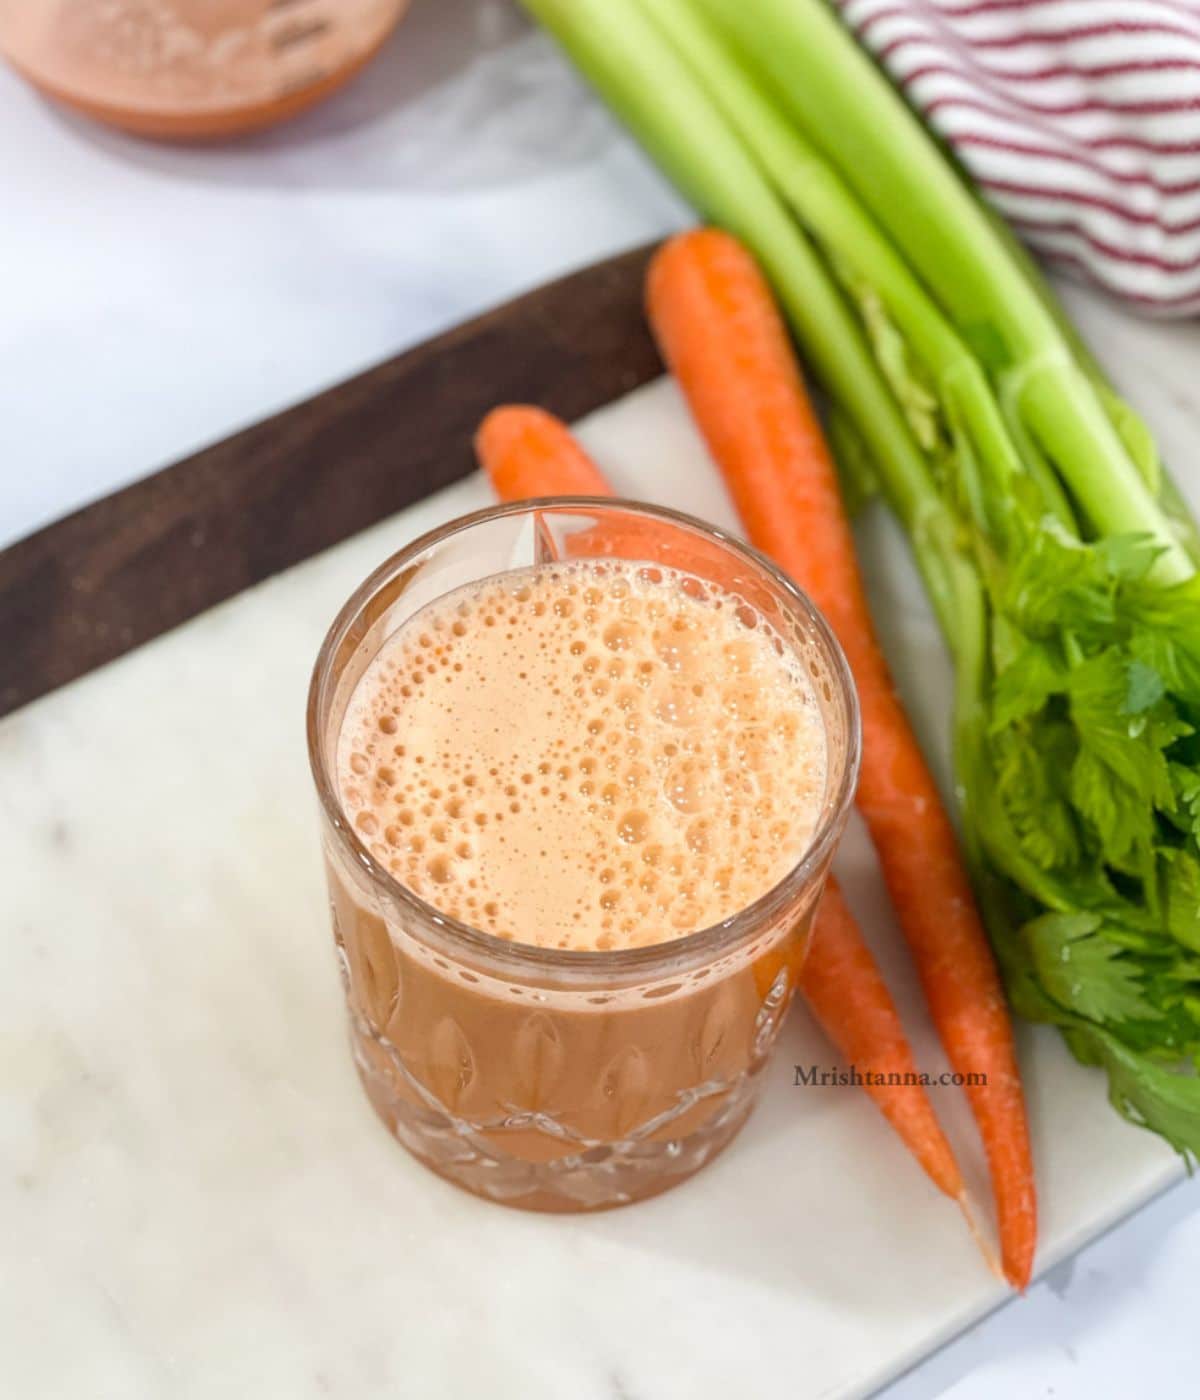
(592, 755)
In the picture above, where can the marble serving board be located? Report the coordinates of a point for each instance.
(197, 1201)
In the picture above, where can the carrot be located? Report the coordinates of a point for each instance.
(847, 995)
(527, 452)
(719, 330)
(840, 978)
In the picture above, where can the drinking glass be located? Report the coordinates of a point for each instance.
(561, 1079)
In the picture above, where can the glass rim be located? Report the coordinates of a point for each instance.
(701, 945)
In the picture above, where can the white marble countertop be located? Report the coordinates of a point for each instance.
(154, 300)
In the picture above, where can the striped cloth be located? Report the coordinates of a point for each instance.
(1079, 120)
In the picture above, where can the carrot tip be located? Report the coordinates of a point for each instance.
(983, 1244)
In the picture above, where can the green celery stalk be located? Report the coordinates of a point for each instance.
(820, 198)
(1127, 422)
(849, 110)
(641, 76)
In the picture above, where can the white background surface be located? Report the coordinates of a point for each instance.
(153, 300)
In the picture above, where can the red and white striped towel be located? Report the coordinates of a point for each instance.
(1078, 119)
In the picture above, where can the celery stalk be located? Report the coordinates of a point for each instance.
(1129, 425)
(847, 108)
(648, 84)
(821, 200)
(850, 111)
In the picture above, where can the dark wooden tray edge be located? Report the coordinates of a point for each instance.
(119, 572)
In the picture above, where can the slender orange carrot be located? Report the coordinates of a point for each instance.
(718, 328)
(527, 452)
(845, 991)
(840, 978)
